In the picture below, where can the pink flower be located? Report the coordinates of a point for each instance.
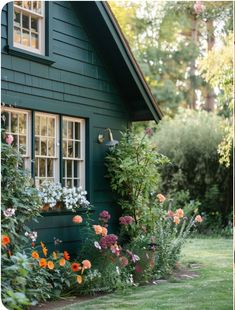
(104, 216)
(198, 7)
(9, 139)
(107, 241)
(161, 197)
(170, 213)
(149, 132)
(126, 220)
(176, 220)
(180, 213)
(138, 268)
(124, 261)
(198, 219)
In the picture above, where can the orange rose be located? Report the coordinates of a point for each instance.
(43, 263)
(86, 264)
(98, 229)
(79, 279)
(75, 267)
(161, 198)
(176, 220)
(77, 219)
(35, 255)
(42, 244)
(5, 240)
(179, 213)
(198, 219)
(66, 255)
(50, 264)
(104, 231)
(62, 262)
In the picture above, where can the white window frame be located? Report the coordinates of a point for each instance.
(56, 157)
(41, 28)
(27, 156)
(81, 160)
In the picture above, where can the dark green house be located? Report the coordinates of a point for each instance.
(67, 75)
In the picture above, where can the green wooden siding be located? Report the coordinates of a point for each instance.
(78, 83)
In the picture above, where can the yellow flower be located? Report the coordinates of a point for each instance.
(104, 231)
(54, 255)
(79, 279)
(44, 250)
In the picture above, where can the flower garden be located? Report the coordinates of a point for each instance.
(145, 248)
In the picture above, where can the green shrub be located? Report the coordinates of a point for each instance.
(190, 141)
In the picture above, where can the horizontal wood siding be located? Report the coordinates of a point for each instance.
(79, 83)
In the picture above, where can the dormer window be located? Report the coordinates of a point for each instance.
(29, 26)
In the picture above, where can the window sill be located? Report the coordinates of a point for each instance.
(67, 212)
(30, 56)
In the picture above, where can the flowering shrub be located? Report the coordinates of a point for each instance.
(72, 198)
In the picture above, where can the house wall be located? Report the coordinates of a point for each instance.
(78, 84)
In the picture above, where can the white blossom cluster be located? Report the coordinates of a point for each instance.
(50, 193)
(74, 197)
(92, 275)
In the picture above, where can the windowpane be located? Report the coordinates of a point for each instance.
(27, 5)
(25, 21)
(42, 167)
(64, 129)
(77, 131)
(17, 35)
(37, 125)
(37, 150)
(25, 38)
(69, 168)
(34, 24)
(15, 141)
(34, 40)
(76, 169)
(22, 123)
(17, 19)
(19, 3)
(5, 120)
(70, 130)
(51, 148)
(36, 166)
(77, 149)
(70, 149)
(65, 154)
(14, 122)
(43, 126)
(39, 7)
(51, 127)
(43, 147)
(69, 183)
(50, 167)
(22, 144)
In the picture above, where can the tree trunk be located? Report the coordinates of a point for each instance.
(210, 95)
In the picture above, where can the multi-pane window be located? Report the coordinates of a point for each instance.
(29, 25)
(16, 123)
(48, 144)
(73, 152)
(46, 153)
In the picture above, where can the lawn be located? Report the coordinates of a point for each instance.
(211, 290)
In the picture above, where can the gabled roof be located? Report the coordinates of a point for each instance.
(112, 44)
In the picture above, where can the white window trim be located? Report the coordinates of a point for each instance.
(41, 30)
(81, 160)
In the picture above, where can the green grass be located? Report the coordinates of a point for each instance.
(212, 290)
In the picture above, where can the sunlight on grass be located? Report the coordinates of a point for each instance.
(212, 290)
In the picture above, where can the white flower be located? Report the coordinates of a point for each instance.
(9, 212)
(117, 270)
(97, 245)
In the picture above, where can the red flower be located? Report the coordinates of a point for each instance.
(75, 267)
(66, 255)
